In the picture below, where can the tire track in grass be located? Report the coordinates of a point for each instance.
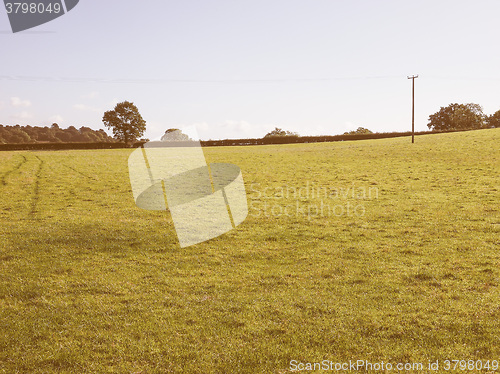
(3, 178)
(36, 188)
(79, 172)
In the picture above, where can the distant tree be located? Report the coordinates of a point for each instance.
(174, 135)
(63, 136)
(105, 137)
(72, 134)
(83, 135)
(44, 134)
(85, 130)
(94, 138)
(31, 133)
(280, 132)
(494, 119)
(458, 117)
(17, 135)
(359, 130)
(126, 122)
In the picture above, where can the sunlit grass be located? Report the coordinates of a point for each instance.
(90, 283)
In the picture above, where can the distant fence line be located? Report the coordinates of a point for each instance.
(310, 139)
(218, 143)
(303, 139)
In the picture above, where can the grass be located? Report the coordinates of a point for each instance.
(89, 283)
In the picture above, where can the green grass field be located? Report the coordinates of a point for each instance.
(375, 250)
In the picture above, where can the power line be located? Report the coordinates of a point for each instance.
(25, 78)
(29, 78)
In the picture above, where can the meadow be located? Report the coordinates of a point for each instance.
(376, 250)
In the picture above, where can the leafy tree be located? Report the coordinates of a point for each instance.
(94, 138)
(44, 134)
(64, 136)
(126, 122)
(494, 119)
(102, 134)
(359, 130)
(174, 135)
(279, 132)
(72, 133)
(17, 135)
(457, 117)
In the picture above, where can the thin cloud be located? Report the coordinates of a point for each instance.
(114, 102)
(231, 129)
(243, 129)
(21, 118)
(85, 108)
(57, 118)
(18, 102)
(91, 95)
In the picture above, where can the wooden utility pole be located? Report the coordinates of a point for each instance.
(413, 107)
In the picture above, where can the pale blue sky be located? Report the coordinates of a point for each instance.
(239, 68)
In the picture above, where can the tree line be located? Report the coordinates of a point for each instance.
(450, 118)
(128, 125)
(462, 117)
(54, 134)
(277, 132)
